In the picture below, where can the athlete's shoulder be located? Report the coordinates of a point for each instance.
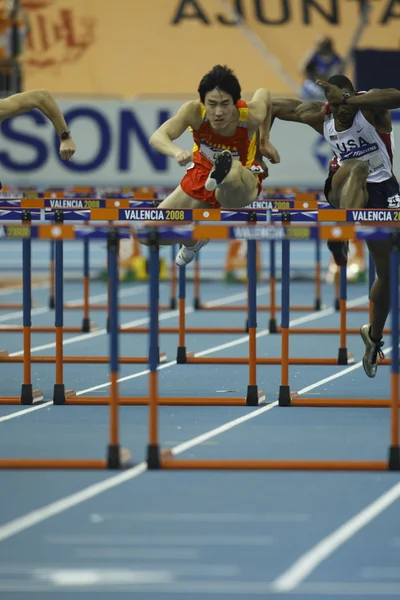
(190, 113)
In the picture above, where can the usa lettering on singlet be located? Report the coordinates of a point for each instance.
(363, 142)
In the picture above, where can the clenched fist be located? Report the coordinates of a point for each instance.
(184, 158)
(67, 149)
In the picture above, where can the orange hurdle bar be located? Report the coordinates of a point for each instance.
(52, 463)
(273, 465)
(95, 360)
(43, 329)
(340, 402)
(163, 401)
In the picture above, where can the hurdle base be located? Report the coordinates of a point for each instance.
(336, 304)
(197, 304)
(52, 302)
(60, 394)
(153, 456)
(273, 327)
(343, 357)
(181, 356)
(172, 304)
(394, 458)
(113, 458)
(318, 304)
(86, 326)
(26, 393)
(284, 398)
(253, 395)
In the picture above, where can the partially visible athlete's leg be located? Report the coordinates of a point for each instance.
(380, 298)
(348, 190)
(239, 188)
(178, 199)
(234, 185)
(349, 185)
(380, 291)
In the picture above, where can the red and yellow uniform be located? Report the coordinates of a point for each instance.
(207, 145)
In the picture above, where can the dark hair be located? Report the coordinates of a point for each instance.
(221, 77)
(342, 82)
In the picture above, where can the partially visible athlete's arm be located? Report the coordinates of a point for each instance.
(26, 101)
(19, 104)
(310, 113)
(163, 138)
(385, 99)
(260, 112)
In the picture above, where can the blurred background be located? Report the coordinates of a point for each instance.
(119, 69)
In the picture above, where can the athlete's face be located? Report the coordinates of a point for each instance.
(344, 113)
(219, 108)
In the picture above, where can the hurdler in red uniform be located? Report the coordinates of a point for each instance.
(222, 170)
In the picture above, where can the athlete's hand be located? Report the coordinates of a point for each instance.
(67, 149)
(333, 93)
(268, 150)
(184, 158)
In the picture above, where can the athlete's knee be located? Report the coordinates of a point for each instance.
(360, 170)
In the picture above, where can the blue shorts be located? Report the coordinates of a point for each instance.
(385, 194)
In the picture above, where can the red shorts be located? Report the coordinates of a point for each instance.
(194, 180)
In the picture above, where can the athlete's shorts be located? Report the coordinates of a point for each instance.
(385, 194)
(195, 178)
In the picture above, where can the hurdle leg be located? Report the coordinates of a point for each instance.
(196, 282)
(52, 302)
(86, 319)
(26, 390)
(284, 389)
(59, 388)
(181, 353)
(343, 354)
(394, 450)
(113, 453)
(172, 300)
(273, 328)
(153, 450)
(318, 300)
(252, 388)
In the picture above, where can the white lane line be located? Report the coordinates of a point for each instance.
(308, 562)
(300, 320)
(35, 517)
(15, 415)
(96, 298)
(135, 323)
(242, 340)
(14, 289)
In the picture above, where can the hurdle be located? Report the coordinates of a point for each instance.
(58, 231)
(117, 457)
(164, 459)
(254, 396)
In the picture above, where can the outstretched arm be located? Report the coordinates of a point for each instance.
(383, 99)
(386, 99)
(19, 104)
(310, 113)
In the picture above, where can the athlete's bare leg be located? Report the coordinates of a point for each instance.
(239, 188)
(349, 185)
(178, 199)
(380, 291)
(349, 190)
